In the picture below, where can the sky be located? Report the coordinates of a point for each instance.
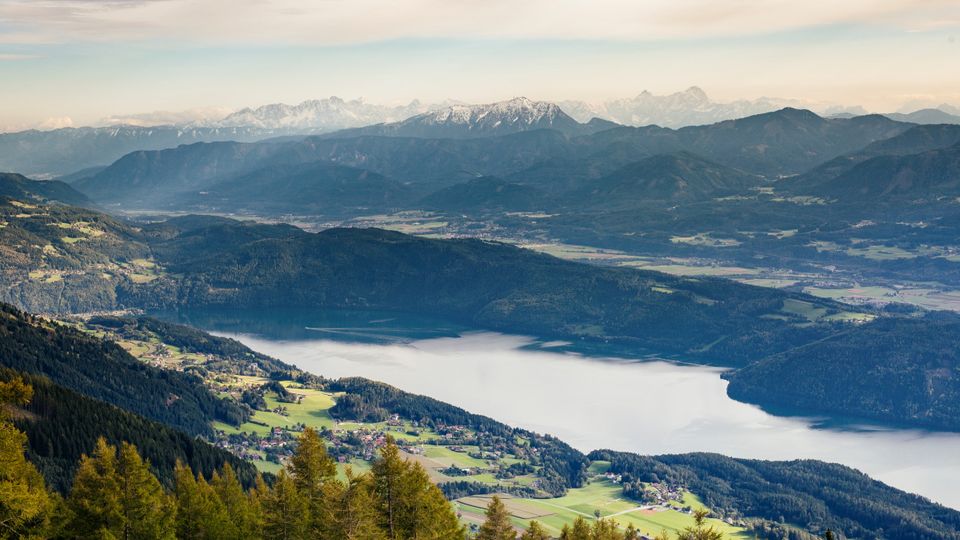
(77, 62)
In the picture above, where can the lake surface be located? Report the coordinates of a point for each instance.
(649, 407)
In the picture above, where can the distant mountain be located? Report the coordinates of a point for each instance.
(140, 179)
(466, 121)
(912, 141)
(926, 116)
(784, 142)
(319, 115)
(318, 187)
(927, 175)
(149, 175)
(487, 193)
(688, 108)
(64, 151)
(22, 188)
(667, 177)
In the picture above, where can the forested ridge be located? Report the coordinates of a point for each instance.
(104, 371)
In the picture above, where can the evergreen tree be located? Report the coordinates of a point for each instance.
(535, 532)
(497, 525)
(148, 512)
(285, 511)
(25, 503)
(94, 502)
(631, 533)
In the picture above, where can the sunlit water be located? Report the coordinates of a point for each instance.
(644, 407)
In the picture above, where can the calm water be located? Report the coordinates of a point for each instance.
(646, 407)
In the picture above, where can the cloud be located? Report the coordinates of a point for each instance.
(56, 123)
(158, 118)
(333, 22)
(12, 57)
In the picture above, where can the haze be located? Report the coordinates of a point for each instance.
(76, 62)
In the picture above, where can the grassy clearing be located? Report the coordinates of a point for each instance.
(704, 239)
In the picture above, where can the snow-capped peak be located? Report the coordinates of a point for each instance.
(518, 114)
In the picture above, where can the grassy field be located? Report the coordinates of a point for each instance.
(926, 297)
(602, 495)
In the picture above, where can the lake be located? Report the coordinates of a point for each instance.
(649, 407)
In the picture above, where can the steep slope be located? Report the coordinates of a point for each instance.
(62, 425)
(55, 257)
(666, 178)
(484, 194)
(104, 371)
(17, 186)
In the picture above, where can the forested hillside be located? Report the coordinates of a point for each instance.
(811, 494)
(104, 371)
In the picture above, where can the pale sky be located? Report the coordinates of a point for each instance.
(78, 61)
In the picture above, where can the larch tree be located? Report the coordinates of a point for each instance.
(148, 512)
(285, 511)
(240, 506)
(535, 532)
(94, 501)
(497, 525)
(25, 503)
(700, 530)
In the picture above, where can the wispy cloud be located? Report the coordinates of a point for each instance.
(12, 57)
(332, 22)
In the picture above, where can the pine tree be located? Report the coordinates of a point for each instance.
(94, 501)
(285, 511)
(535, 532)
(147, 511)
(631, 533)
(497, 525)
(25, 503)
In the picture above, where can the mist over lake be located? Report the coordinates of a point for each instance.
(649, 407)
